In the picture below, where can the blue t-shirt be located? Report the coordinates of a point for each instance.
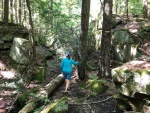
(66, 65)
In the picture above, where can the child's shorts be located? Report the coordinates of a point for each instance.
(67, 75)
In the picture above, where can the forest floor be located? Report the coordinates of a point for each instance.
(80, 100)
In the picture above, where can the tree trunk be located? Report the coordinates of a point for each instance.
(24, 8)
(6, 11)
(51, 11)
(16, 11)
(32, 31)
(20, 12)
(83, 37)
(104, 66)
(127, 13)
(11, 7)
(145, 9)
(49, 89)
(2, 14)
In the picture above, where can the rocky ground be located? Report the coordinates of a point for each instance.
(80, 100)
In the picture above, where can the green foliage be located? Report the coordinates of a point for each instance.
(97, 86)
(37, 110)
(135, 7)
(90, 95)
(45, 102)
(145, 32)
(25, 96)
(60, 106)
(58, 20)
(92, 65)
(148, 89)
(93, 77)
(39, 74)
(8, 37)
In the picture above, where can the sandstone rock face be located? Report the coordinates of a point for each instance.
(20, 50)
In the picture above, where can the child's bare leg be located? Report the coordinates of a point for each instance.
(67, 85)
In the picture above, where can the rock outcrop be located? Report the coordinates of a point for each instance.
(133, 84)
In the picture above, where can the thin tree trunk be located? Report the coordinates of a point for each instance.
(2, 16)
(104, 66)
(6, 11)
(20, 12)
(25, 10)
(83, 37)
(16, 11)
(32, 30)
(145, 9)
(51, 11)
(127, 12)
(11, 7)
(116, 9)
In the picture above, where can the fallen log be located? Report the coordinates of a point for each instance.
(49, 89)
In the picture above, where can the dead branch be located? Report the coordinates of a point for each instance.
(92, 102)
(142, 50)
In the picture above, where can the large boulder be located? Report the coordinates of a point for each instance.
(20, 50)
(133, 83)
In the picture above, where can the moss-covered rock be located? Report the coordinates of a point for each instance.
(97, 86)
(133, 84)
(132, 81)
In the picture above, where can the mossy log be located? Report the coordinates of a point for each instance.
(60, 106)
(28, 108)
(49, 89)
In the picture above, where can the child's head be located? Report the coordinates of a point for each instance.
(67, 54)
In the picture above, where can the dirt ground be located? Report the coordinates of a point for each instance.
(79, 99)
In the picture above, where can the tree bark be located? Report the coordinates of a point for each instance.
(127, 10)
(20, 10)
(32, 31)
(145, 9)
(83, 37)
(104, 63)
(16, 11)
(49, 89)
(11, 7)
(6, 11)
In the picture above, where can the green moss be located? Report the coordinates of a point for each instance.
(90, 96)
(93, 77)
(61, 106)
(22, 99)
(97, 86)
(148, 89)
(143, 71)
(40, 74)
(139, 19)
